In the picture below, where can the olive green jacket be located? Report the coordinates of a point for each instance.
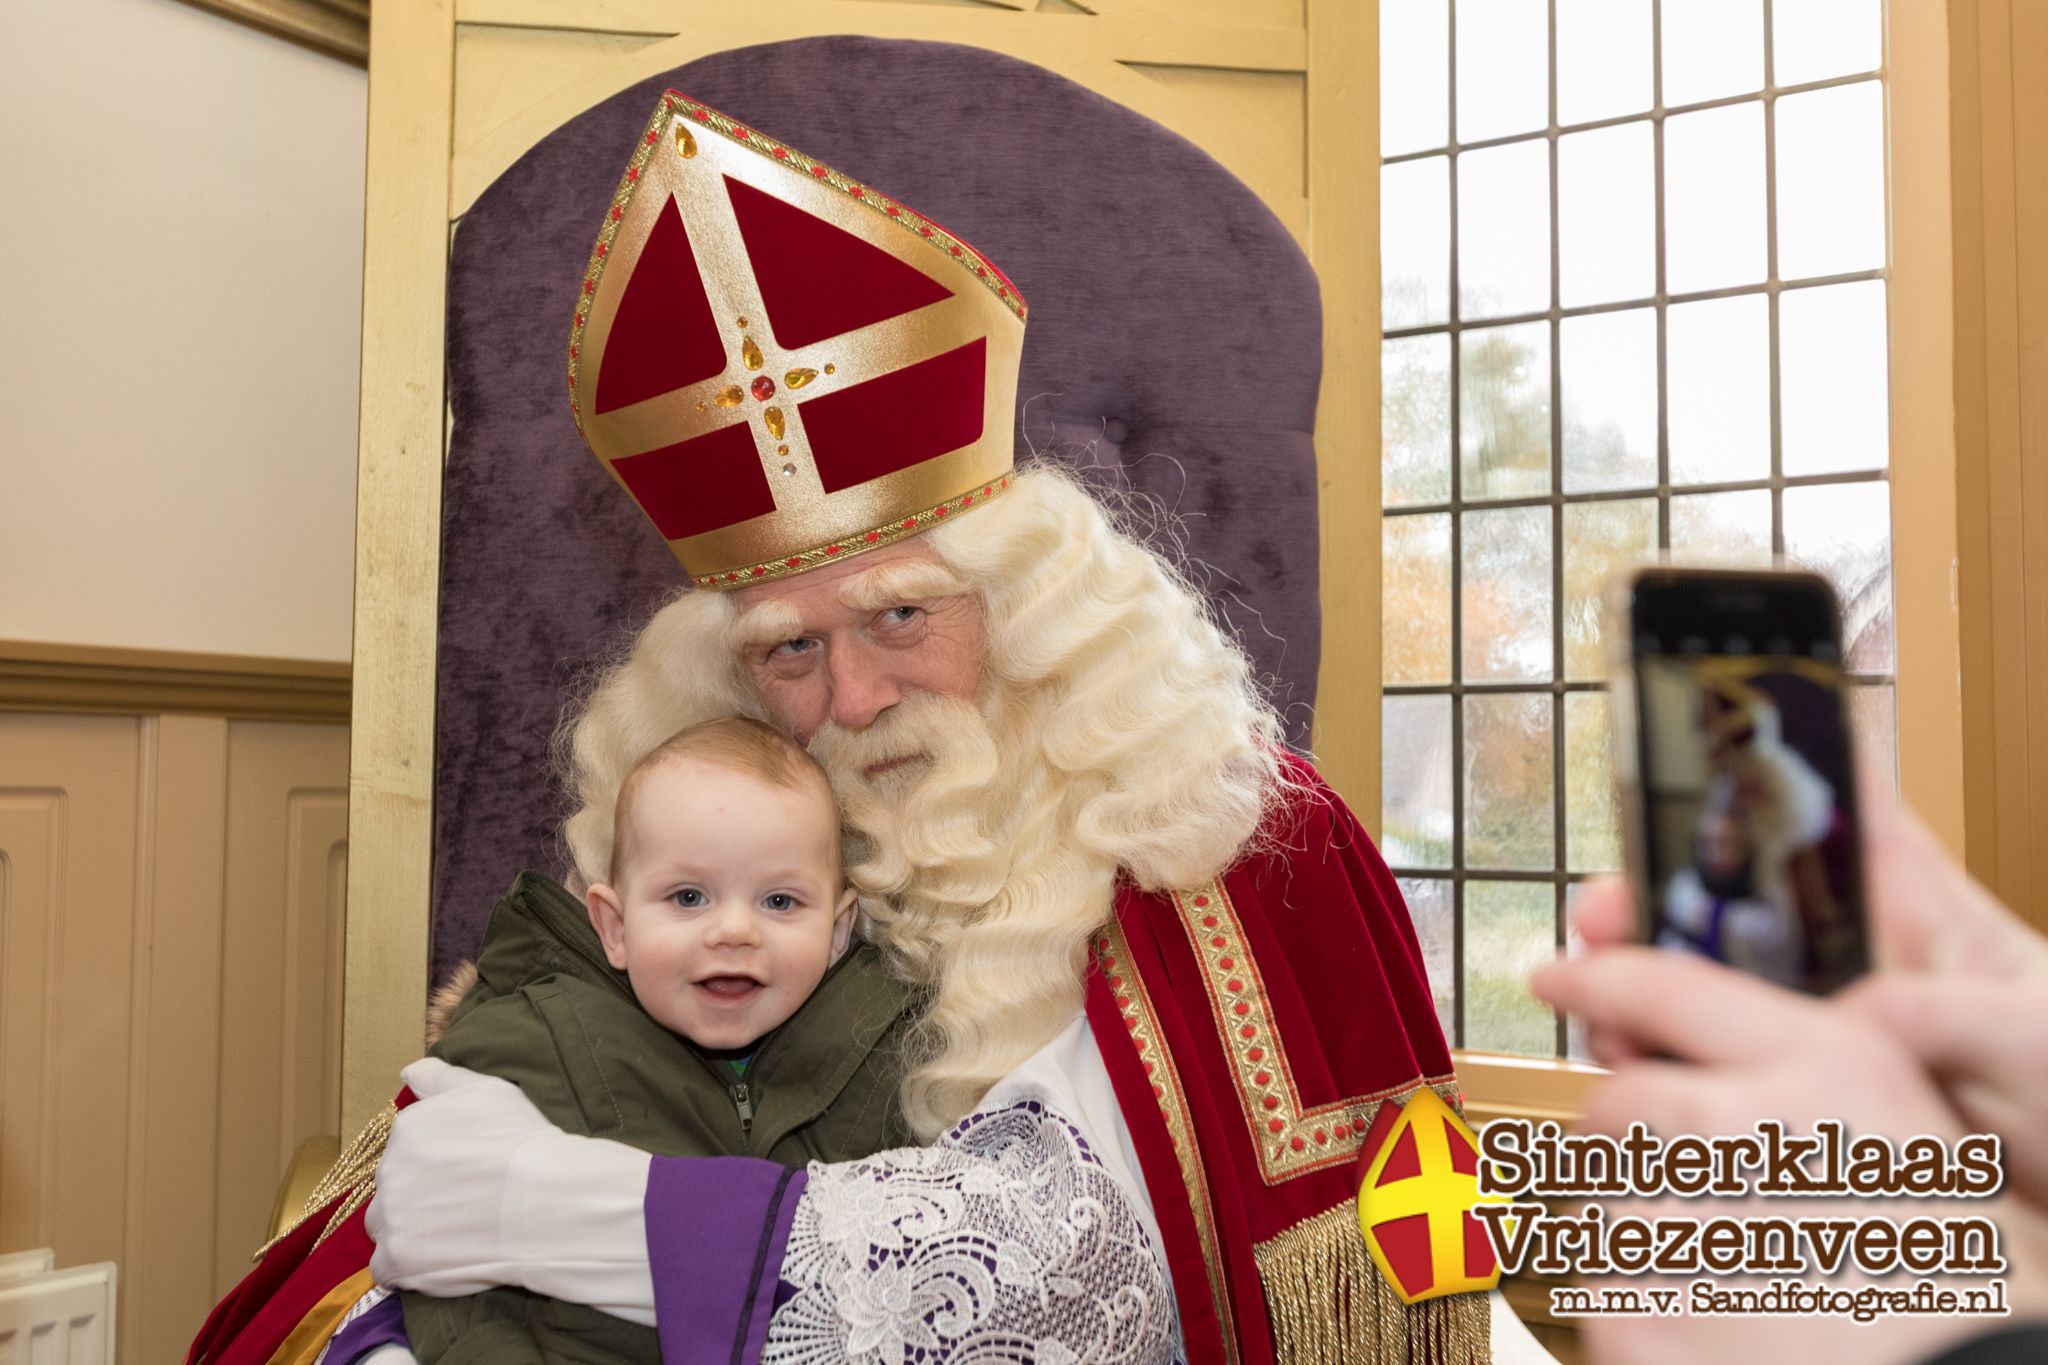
(550, 1014)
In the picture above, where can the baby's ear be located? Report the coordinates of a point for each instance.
(609, 919)
(842, 924)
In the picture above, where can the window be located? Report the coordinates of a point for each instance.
(1633, 266)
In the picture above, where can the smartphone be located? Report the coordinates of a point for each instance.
(1733, 751)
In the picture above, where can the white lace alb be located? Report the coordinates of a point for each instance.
(1004, 1242)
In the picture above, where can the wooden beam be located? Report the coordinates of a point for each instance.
(339, 28)
(398, 533)
(100, 680)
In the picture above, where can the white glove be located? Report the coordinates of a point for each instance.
(477, 1189)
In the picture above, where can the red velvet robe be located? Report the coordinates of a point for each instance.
(1252, 1028)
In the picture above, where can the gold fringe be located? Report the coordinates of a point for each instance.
(354, 1171)
(1329, 1304)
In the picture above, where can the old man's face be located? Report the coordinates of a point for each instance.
(844, 644)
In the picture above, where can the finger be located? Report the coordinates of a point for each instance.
(1604, 913)
(1610, 1049)
(1677, 1004)
(1926, 912)
(430, 1076)
(1946, 1022)
(1664, 1097)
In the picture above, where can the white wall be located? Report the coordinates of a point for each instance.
(181, 217)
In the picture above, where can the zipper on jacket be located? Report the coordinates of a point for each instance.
(744, 1104)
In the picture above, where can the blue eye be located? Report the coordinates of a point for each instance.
(901, 616)
(690, 898)
(780, 900)
(800, 645)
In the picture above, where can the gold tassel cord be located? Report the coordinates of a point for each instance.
(1329, 1304)
(354, 1172)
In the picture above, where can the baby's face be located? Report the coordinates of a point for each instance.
(730, 906)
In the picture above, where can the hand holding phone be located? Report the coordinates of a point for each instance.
(1733, 750)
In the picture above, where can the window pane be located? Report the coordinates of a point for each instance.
(1503, 68)
(1504, 411)
(1833, 405)
(1506, 606)
(1712, 48)
(1610, 400)
(1601, 539)
(1606, 205)
(1714, 198)
(1815, 39)
(1415, 72)
(1844, 531)
(1429, 907)
(1504, 230)
(1718, 388)
(1510, 931)
(1415, 242)
(1415, 781)
(1831, 181)
(1603, 59)
(1509, 804)
(1592, 823)
(1415, 598)
(1873, 718)
(1732, 530)
(1415, 419)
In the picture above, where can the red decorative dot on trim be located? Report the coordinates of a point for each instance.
(956, 248)
(966, 500)
(820, 172)
(758, 571)
(1108, 964)
(741, 133)
(910, 524)
(579, 319)
(1159, 1091)
(1241, 1008)
(1131, 1022)
(650, 137)
(1209, 921)
(1233, 985)
(730, 577)
(1201, 901)
(782, 153)
(633, 173)
(1296, 1143)
(617, 213)
(1217, 942)
(926, 229)
(1275, 1126)
(1006, 483)
(792, 561)
(831, 549)
(1262, 1078)
(1271, 1101)
(872, 536)
(939, 511)
(987, 489)
(1123, 1002)
(590, 286)
(1227, 964)
(895, 212)
(603, 250)
(1116, 983)
(1322, 1136)
(1248, 1031)
(1343, 1131)
(1149, 1068)
(856, 191)
(1257, 1054)
(1141, 1048)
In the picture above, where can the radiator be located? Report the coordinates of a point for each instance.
(55, 1317)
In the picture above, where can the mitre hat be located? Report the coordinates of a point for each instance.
(782, 364)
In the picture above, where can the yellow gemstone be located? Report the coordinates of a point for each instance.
(730, 396)
(773, 416)
(750, 354)
(830, 369)
(796, 379)
(685, 144)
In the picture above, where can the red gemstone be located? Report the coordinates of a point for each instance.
(764, 387)
(1257, 1054)
(1227, 964)
(1275, 1125)
(967, 500)
(939, 511)
(1242, 1008)
(730, 577)
(926, 229)
(1116, 983)
(741, 133)
(1296, 1143)
(1209, 921)
(895, 212)
(632, 173)
(782, 152)
(1201, 901)
(856, 191)
(650, 137)
(1248, 1031)
(1262, 1078)
(617, 213)
(590, 286)
(1109, 964)
(1234, 985)
(572, 353)
(820, 172)
(1271, 1101)
(1218, 941)
(956, 250)
(758, 571)
(792, 561)
(831, 549)
(1322, 1136)
(910, 524)
(873, 535)
(986, 491)
(1343, 1131)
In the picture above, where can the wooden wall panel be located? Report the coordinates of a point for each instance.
(136, 854)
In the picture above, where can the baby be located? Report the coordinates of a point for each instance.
(707, 999)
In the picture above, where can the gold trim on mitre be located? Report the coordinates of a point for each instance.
(682, 165)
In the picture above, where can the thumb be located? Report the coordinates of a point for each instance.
(430, 1076)
(1940, 1021)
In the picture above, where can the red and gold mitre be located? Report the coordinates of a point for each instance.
(783, 365)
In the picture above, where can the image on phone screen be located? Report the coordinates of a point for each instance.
(1748, 815)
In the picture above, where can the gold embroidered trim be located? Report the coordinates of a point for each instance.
(354, 1171)
(1329, 1304)
(846, 548)
(1134, 1003)
(1291, 1140)
(673, 107)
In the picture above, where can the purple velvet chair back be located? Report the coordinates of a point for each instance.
(1174, 348)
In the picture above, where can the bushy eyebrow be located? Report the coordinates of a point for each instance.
(767, 624)
(903, 580)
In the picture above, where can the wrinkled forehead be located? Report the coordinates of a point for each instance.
(792, 607)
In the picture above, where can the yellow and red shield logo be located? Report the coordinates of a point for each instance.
(1418, 1182)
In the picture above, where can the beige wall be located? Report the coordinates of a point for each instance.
(183, 212)
(170, 993)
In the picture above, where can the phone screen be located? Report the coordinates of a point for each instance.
(1748, 846)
